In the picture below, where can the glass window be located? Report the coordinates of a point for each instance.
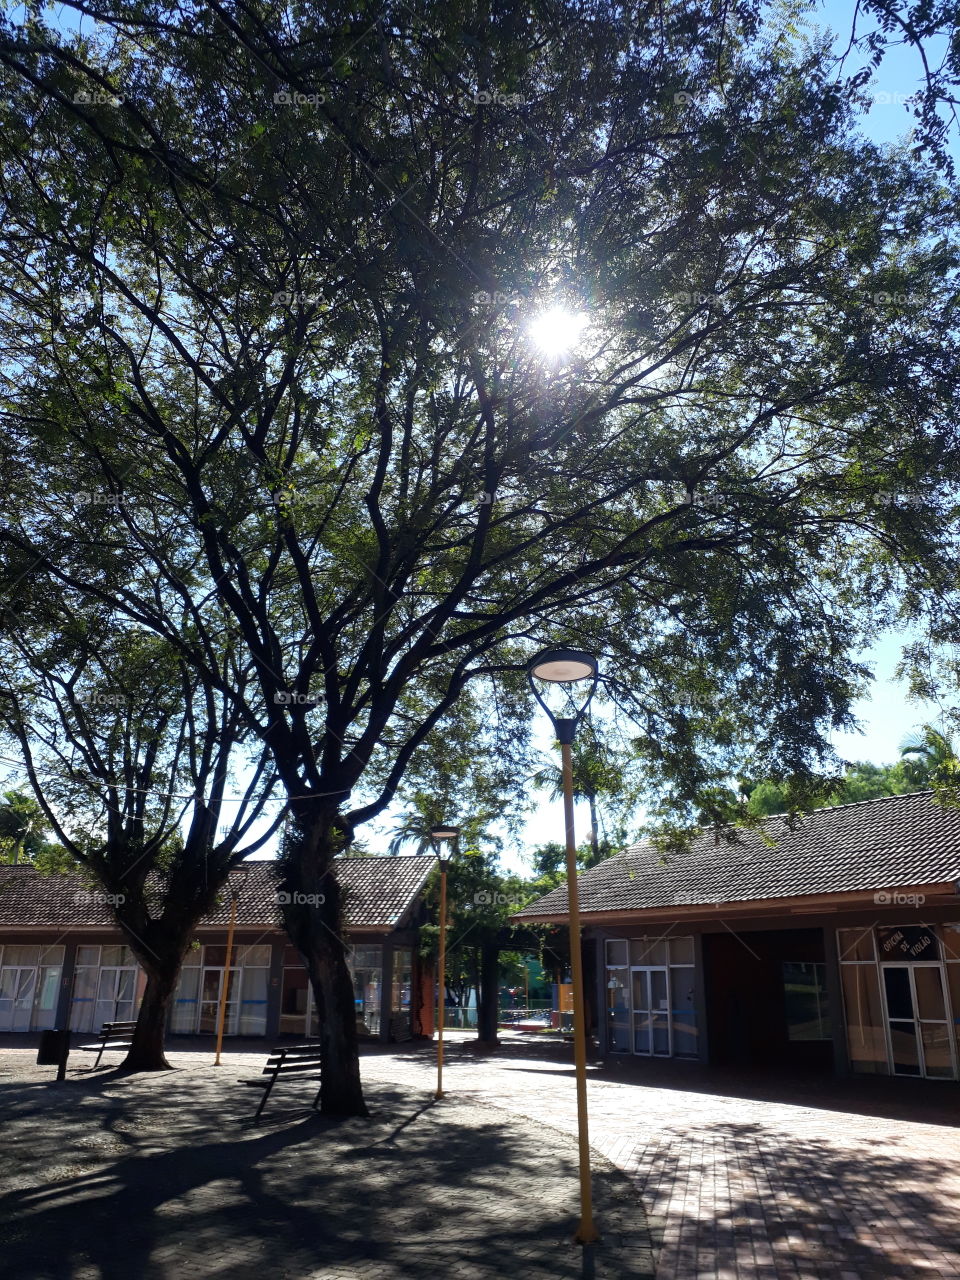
(936, 1050)
(929, 985)
(866, 1043)
(805, 1000)
(21, 955)
(254, 957)
(88, 955)
(84, 994)
(681, 950)
(648, 951)
(215, 956)
(253, 1000)
(616, 952)
(856, 944)
(192, 956)
(116, 956)
(950, 940)
(51, 955)
(49, 986)
(402, 980)
(184, 1017)
(906, 1051)
(366, 966)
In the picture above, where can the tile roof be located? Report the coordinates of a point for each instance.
(871, 845)
(380, 893)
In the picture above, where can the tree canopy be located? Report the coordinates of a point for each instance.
(267, 375)
(25, 834)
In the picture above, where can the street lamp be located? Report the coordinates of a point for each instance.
(558, 670)
(440, 835)
(236, 883)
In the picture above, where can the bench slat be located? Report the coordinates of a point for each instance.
(291, 1068)
(304, 1060)
(295, 1057)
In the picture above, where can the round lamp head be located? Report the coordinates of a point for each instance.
(444, 832)
(558, 670)
(563, 666)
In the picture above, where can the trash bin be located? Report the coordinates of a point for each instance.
(54, 1047)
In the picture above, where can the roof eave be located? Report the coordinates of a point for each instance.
(943, 892)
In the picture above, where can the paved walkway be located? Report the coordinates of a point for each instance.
(855, 1180)
(741, 1179)
(161, 1177)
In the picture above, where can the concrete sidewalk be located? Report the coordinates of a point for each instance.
(161, 1176)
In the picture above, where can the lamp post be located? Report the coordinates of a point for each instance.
(440, 835)
(564, 668)
(236, 886)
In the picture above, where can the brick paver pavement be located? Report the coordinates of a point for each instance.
(856, 1180)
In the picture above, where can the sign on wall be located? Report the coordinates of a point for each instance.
(908, 942)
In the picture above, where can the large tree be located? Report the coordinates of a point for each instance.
(268, 280)
(135, 765)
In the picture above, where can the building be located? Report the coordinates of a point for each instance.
(62, 957)
(829, 941)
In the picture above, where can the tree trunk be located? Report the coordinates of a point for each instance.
(311, 902)
(341, 1093)
(146, 1052)
(594, 833)
(489, 997)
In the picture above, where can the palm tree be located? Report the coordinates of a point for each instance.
(22, 824)
(412, 828)
(595, 775)
(933, 760)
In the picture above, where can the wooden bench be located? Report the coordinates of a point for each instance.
(288, 1059)
(113, 1035)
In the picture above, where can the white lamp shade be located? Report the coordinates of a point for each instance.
(444, 833)
(564, 666)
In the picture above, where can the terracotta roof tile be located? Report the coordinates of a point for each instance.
(380, 893)
(871, 845)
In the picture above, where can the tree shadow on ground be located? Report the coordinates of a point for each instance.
(819, 1204)
(420, 1188)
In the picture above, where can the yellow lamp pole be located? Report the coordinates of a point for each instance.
(566, 667)
(586, 1232)
(222, 1012)
(438, 835)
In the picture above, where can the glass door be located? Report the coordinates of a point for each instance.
(651, 1012)
(618, 1010)
(17, 986)
(211, 985)
(116, 993)
(640, 980)
(917, 1024)
(659, 1013)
